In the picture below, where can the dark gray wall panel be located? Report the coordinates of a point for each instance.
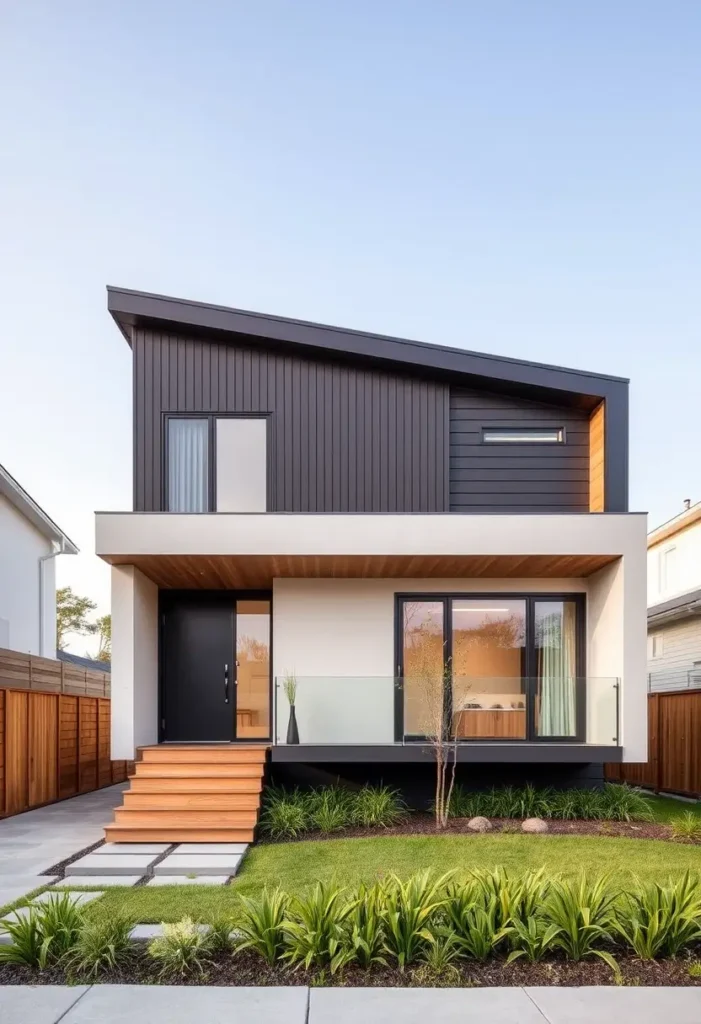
(488, 478)
(343, 438)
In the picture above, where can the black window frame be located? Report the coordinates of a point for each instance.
(212, 418)
(531, 598)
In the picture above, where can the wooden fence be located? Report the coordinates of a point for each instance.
(54, 732)
(674, 746)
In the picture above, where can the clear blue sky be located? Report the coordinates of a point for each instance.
(514, 177)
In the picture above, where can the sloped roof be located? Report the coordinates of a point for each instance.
(24, 503)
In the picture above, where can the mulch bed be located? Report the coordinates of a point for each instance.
(248, 969)
(424, 824)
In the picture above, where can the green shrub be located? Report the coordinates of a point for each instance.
(377, 806)
(183, 949)
(29, 945)
(615, 802)
(366, 926)
(438, 959)
(260, 923)
(314, 929)
(686, 826)
(284, 814)
(330, 808)
(103, 945)
(411, 911)
(622, 803)
(45, 935)
(661, 920)
(582, 912)
(531, 939)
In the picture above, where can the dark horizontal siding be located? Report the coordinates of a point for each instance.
(490, 478)
(343, 439)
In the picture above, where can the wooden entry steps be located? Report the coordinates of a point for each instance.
(193, 793)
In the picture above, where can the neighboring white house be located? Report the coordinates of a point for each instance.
(29, 543)
(674, 601)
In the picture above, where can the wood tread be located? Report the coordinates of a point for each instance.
(192, 793)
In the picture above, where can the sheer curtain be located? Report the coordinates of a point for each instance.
(188, 465)
(556, 660)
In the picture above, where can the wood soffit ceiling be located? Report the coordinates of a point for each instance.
(256, 572)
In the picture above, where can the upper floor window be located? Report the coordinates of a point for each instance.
(523, 435)
(655, 645)
(188, 465)
(217, 463)
(667, 570)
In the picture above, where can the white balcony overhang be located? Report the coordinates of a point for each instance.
(233, 550)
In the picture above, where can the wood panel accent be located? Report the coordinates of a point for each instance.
(674, 750)
(597, 459)
(30, 672)
(240, 572)
(491, 724)
(42, 748)
(52, 746)
(192, 792)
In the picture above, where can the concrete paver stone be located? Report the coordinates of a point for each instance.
(111, 864)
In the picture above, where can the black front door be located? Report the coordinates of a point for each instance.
(199, 694)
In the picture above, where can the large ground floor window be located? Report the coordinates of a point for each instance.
(497, 667)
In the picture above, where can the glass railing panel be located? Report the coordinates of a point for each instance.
(338, 709)
(603, 711)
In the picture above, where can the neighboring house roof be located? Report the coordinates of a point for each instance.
(25, 504)
(133, 309)
(91, 663)
(676, 608)
(675, 525)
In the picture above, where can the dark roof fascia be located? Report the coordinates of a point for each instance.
(133, 308)
(683, 604)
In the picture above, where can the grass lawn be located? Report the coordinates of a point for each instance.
(298, 866)
(665, 808)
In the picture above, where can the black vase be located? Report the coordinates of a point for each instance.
(292, 730)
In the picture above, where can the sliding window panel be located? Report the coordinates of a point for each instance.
(242, 464)
(188, 464)
(556, 712)
(488, 659)
(423, 666)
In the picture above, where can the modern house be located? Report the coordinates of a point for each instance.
(674, 602)
(29, 544)
(377, 518)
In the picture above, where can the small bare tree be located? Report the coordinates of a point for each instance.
(435, 712)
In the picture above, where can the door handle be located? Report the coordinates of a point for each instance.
(226, 684)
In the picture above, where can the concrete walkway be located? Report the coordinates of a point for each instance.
(31, 842)
(142, 1004)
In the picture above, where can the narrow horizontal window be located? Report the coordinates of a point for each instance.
(523, 435)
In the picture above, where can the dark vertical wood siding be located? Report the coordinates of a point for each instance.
(343, 439)
(516, 478)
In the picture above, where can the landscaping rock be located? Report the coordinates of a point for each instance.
(534, 825)
(479, 824)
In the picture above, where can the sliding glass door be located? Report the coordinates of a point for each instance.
(493, 667)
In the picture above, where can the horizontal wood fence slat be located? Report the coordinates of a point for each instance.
(54, 732)
(674, 746)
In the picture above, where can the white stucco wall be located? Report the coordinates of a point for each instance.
(21, 546)
(134, 662)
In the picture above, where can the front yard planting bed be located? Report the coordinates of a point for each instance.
(246, 969)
